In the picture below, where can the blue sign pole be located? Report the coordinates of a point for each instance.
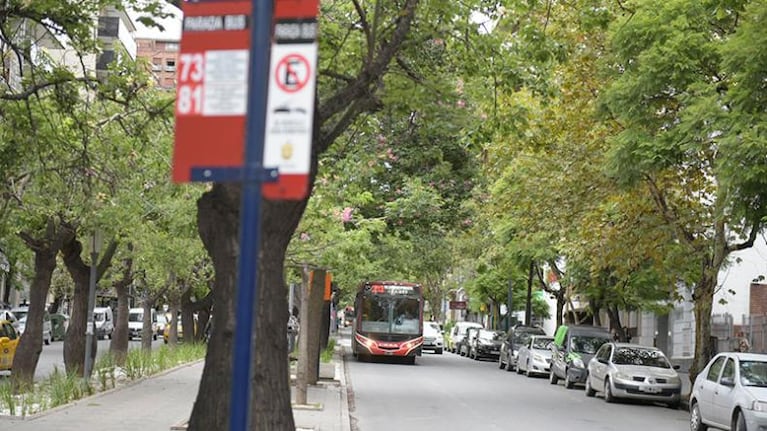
(250, 214)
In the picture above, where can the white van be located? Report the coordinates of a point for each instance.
(458, 332)
(136, 323)
(104, 321)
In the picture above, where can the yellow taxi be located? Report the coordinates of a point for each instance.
(9, 339)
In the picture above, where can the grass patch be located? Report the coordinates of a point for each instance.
(327, 354)
(60, 388)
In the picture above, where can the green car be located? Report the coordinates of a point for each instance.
(59, 323)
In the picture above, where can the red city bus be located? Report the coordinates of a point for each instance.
(388, 320)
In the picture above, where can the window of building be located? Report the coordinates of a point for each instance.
(170, 65)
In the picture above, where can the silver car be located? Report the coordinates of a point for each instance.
(622, 370)
(731, 393)
(535, 356)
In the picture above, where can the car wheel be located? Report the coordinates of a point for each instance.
(739, 423)
(608, 392)
(501, 365)
(438, 351)
(590, 392)
(47, 341)
(568, 383)
(553, 377)
(527, 371)
(696, 423)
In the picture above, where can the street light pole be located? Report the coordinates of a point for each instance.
(95, 246)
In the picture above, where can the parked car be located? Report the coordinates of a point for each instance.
(623, 370)
(458, 332)
(7, 314)
(104, 321)
(47, 330)
(136, 323)
(9, 340)
(487, 344)
(535, 356)
(730, 393)
(516, 337)
(571, 351)
(20, 311)
(432, 337)
(464, 346)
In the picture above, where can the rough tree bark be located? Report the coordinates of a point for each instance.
(74, 347)
(119, 344)
(45, 248)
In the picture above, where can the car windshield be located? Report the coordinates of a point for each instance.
(20, 314)
(636, 356)
(586, 344)
(136, 317)
(99, 316)
(491, 335)
(753, 373)
(542, 343)
(430, 329)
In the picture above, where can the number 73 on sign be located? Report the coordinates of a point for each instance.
(190, 86)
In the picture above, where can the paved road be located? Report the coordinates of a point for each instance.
(451, 392)
(53, 355)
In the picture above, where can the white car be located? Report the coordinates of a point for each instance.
(47, 329)
(432, 337)
(730, 393)
(624, 370)
(535, 356)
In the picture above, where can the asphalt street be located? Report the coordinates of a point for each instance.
(451, 392)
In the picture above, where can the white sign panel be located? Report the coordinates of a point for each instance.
(290, 108)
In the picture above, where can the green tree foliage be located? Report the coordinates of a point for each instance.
(676, 73)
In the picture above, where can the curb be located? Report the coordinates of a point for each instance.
(97, 395)
(341, 370)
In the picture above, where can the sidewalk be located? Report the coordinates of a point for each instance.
(164, 402)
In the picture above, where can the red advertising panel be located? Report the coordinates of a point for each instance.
(212, 78)
(290, 105)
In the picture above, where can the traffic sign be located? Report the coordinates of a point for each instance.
(290, 106)
(212, 82)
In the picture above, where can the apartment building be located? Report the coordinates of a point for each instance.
(159, 47)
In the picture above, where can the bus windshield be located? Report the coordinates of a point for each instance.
(387, 314)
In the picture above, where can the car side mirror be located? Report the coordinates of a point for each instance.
(727, 381)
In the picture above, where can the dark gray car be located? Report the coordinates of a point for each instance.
(571, 351)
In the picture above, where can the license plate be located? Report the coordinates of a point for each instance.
(649, 389)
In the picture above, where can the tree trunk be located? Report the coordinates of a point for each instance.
(119, 344)
(218, 224)
(703, 302)
(31, 344)
(173, 330)
(270, 386)
(187, 316)
(529, 299)
(118, 347)
(147, 334)
(74, 346)
(615, 323)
